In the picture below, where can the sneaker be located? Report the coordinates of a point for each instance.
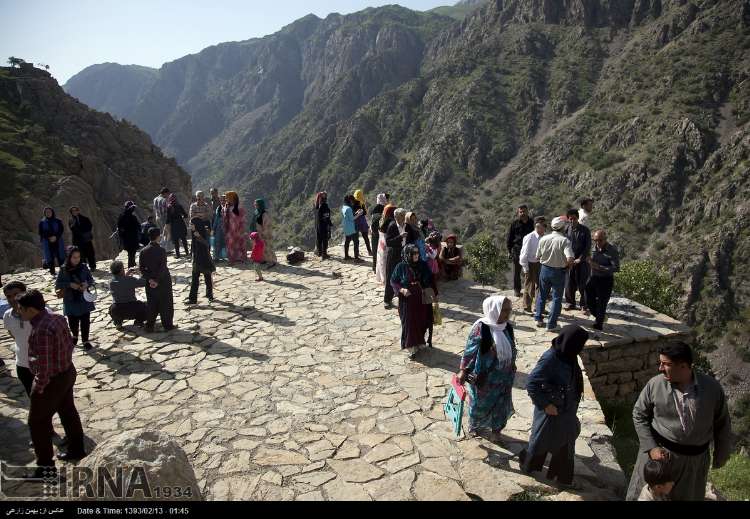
(388, 306)
(540, 324)
(87, 346)
(190, 302)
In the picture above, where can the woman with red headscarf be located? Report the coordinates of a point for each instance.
(451, 259)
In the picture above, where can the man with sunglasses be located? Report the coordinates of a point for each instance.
(604, 262)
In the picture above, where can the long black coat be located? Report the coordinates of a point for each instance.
(393, 249)
(176, 219)
(81, 229)
(130, 229)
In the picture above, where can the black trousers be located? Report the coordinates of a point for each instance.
(578, 275)
(352, 238)
(374, 239)
(160, 302)
(177, 247)
(26, 377)
(517, 272)
(366, 239)
(85, 323)
(321, 242)
(56, 398)
(88, 255)
(598, 292)
(135, 310)
(195, 283)
(131, 257)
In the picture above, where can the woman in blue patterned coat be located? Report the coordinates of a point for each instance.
(489, 365)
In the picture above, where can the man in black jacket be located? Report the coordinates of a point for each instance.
(519, 228)
(83, 236)
(578, 275)
(159, 299)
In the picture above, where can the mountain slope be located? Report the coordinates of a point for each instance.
(642, 104)
(205, 107)
(56, 151)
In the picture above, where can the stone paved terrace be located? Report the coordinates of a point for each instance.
(296, 388)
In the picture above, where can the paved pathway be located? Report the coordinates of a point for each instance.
(295, 388)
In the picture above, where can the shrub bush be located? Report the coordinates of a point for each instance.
(485, 260)
(648, 284)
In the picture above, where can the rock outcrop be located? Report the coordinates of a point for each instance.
(153, 465)
(55, 151)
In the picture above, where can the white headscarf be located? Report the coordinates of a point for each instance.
(492, 308)
(382, 200)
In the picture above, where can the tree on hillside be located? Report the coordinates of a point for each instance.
(15, 61)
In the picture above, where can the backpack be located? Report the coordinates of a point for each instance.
(296, 255)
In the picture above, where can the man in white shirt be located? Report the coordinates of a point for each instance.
(587, 207)
(20, 332)
(555, 253)
(160, 213)
(530, 264)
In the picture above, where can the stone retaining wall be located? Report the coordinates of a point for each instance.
(620, 372)
(619, 361)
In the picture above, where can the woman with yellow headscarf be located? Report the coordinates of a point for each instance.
(360, 218)
(234, 223)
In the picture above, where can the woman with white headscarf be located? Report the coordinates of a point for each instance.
(489, 365)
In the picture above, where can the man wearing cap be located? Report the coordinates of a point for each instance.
(555, 254)
(160, 211)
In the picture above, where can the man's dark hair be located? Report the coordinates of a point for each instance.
(656, 472)
(117, 268)
(164, 190)
(153, 233)
(14, 285)
(677, 352)
(540, 220)
(572, 212)
(32, 299)
(523, 206)
(585, 201)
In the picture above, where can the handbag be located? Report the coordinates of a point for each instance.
(437, 317)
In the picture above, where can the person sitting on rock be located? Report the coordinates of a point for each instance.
(451, 259)
(125, 305)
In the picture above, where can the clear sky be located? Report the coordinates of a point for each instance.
(70, 35)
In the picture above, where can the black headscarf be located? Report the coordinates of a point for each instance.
(568, 345)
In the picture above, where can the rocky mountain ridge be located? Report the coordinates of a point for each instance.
(55, 151)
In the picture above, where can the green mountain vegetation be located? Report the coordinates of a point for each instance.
(641, 104)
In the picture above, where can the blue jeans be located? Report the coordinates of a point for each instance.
(550, 279)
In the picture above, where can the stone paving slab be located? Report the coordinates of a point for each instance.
(296, 389)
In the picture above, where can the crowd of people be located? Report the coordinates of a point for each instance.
(679, 413)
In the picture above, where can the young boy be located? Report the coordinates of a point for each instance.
(659, 481)
(257, 254)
